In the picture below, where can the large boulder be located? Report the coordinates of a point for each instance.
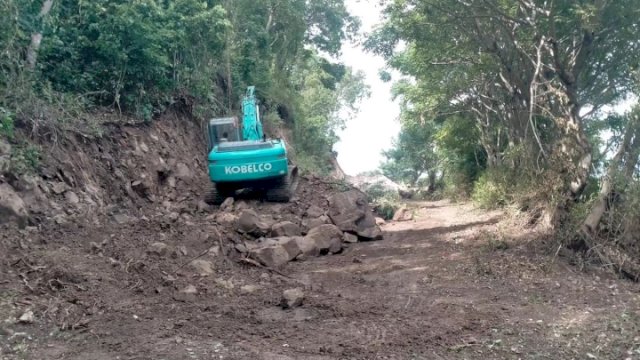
(310, 223)
(273, 256)
(12, 206)
(285, 228)
(252, 224)
(350, 212)
(327, 238)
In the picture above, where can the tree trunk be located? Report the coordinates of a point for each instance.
(36, 37)
(600, 206)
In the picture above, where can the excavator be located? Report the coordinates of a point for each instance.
(242, 157)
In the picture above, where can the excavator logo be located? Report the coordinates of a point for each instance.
(248, 169)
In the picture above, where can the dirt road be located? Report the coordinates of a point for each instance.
(454, 283)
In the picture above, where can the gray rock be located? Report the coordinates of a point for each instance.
(311, 223)
(158, 248)
(5, 148)
(227, 205)
(71, 197)
(290, 244)
(203, 207)
(285, 228)
(241, 205)
(27, 318)
(203, 267)
(292, 298)
(190, 290)
(350, 238)
(12, 206)
(308, 246)
(314, 212)
(350, 212)
(59, 187)
(249, 289)
(226, 219)
(250, 223)
(183, 172)
(123, 219)
(273, 256)
(328, 238)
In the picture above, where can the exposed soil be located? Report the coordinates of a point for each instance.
(453, 283)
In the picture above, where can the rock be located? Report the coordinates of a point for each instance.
(158, 248)
(350, 212)
(292, 298)
(183, 172)
(307, 246)
(250, 223)
(273, 256)
(59, 188)
(314, 212)
(27, 318)
(123, 219)
(12, 206)
(5, 148)
(142, 188)
(380, 221)
(241, 205)
(350, 238)
(190, 290)
(226, 219)
(227, 204)
(71, 197)
(403, 214)
(328, 238)
(203, 267)
(290, 244)
(315, 222)
(173, 216)
(249, 289)
(203, 206)
(285, 228)
(225, 284)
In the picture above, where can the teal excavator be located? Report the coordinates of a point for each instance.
(242, 157)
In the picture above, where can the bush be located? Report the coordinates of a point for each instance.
(6, 124)
(385, 202)
(25, 160)
(491, 189)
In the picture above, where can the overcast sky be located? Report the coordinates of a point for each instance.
(376, 124)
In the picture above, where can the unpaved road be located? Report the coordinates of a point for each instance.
(455, 283)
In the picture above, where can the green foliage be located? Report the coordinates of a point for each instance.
(385, 202)
(506, 90)
(491, 190)
(6, 124)
(25, 159)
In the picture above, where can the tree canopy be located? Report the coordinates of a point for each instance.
(141, 57)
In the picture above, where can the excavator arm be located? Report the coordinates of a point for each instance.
(251, 125)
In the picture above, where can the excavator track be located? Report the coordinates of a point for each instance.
(285, 190)
(215, 196)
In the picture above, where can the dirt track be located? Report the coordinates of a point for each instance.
(454, 283)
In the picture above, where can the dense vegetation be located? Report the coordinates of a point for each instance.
(512, 99)
(61, 59)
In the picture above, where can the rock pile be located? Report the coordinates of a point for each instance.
(274, 237)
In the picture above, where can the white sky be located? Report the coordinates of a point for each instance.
(373, 128)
